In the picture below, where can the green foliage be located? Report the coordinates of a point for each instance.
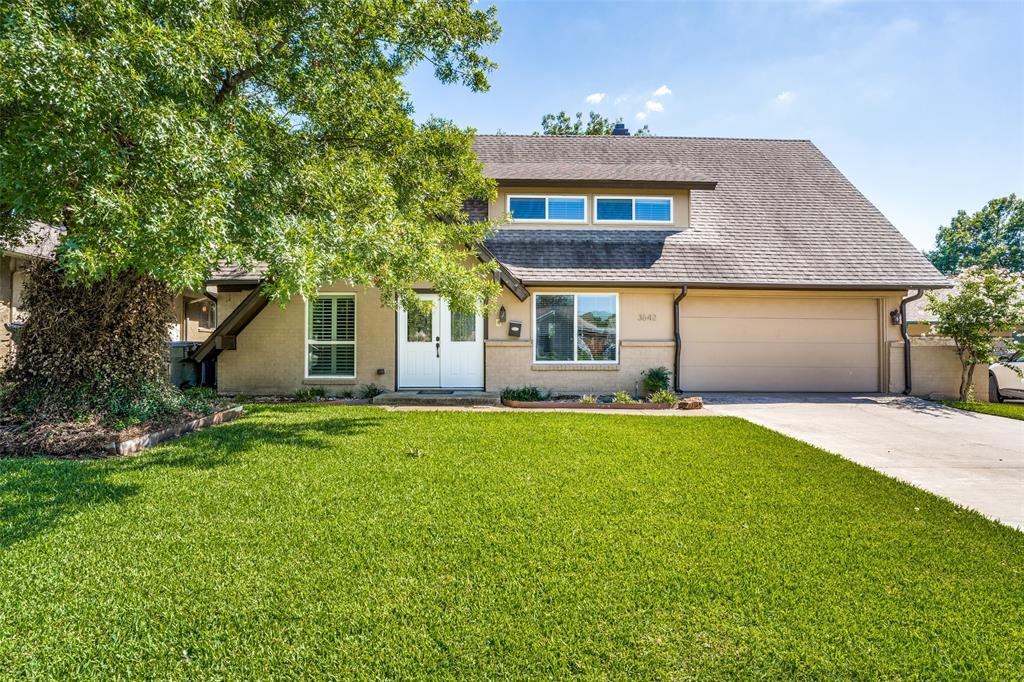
(657, 379)
(641, 548)
(85, 349)
(663, 396)
(524, 394)
(562, 124)
(168, 136)
(1008, 410)
(370, 391)
(991, 238)
(983, 303)
(309, 394)
(588, 399)
(624, 398)
(153, 402)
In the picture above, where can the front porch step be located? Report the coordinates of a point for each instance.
(438, 398)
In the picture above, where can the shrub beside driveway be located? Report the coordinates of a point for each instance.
(312, 540)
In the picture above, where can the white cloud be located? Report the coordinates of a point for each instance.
(620, 99)
(662, 91)
(641, 115)
(785, 97)
(596, 97)
(653, 105)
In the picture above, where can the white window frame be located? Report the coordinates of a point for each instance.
(575, 328)
(545, 197)
(355, 336)
(633, 221)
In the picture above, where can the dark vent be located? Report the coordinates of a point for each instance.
(620, 129)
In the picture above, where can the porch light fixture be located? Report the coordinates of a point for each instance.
(895, 316)
(502, 315)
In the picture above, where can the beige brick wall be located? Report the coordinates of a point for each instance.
(270, 356)
(935, 369)
(647, 340)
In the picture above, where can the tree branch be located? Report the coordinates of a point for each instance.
(231, 82)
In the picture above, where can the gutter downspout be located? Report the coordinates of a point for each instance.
(906, 339)
(679, 337)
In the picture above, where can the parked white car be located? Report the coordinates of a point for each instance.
(1006, 377)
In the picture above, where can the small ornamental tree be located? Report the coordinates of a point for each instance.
(983, 303)
(165, 137)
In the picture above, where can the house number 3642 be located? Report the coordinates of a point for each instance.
(646, 317)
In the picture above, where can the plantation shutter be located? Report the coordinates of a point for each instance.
(331, 336)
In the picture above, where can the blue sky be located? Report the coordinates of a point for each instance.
(921, 104)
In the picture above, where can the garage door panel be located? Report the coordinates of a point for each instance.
(837, 379)
(796, 308)
(743, 354)
(768, 343)
(779, 330)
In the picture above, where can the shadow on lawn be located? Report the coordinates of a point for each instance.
(37, 492)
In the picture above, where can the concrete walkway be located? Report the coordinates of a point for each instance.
(975, 460)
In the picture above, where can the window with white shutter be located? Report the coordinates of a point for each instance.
(331, 337)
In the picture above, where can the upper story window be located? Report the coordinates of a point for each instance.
(204, 312)
(633, 209)
(552, 209)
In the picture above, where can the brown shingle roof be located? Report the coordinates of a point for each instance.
(40, 242)
(781, 215)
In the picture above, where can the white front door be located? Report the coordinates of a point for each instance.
(440, 348)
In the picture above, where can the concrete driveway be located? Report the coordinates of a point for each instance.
(972, 459)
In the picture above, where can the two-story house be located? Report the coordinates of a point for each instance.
(741, 264)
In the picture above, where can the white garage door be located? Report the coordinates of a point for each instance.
(779, 344)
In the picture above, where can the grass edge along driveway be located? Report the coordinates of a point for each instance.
(319, 541)
(1008, 410)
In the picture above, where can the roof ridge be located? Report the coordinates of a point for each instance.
(649, 137)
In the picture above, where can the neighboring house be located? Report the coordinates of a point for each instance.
(39, 244)
(742, 264)
(195, 313)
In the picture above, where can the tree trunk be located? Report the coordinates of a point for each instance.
(965, 390)
(83, 346)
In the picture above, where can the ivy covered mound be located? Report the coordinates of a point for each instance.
(91, 366)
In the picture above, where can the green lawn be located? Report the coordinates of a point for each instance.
(1011, 410)
(325, 541)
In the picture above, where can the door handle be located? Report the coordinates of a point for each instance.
(438, 347)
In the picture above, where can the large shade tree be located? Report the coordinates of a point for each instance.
(166, 136)
(596, 124)
(991, 238)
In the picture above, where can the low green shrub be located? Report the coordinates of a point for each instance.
(623, 398)
(370, 391)
(664, 397)
(657, 379)
(309, 395)
(588, 400)
(523, 394)
(152, 402)
(347, 394)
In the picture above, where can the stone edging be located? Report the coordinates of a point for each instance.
(139, 443)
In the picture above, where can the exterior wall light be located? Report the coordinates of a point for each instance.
(895, 316)
(502, 315)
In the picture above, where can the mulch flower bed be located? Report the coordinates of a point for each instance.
(692, 403)
(90, 439)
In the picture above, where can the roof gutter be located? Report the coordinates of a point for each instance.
(679, 336)
(906, 339)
